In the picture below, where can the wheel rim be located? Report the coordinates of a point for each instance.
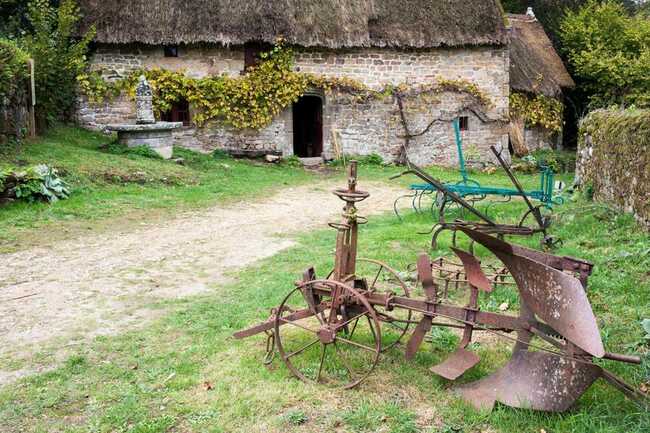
(316, 349)
(383, 279)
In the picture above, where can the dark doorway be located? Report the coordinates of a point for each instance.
(308, 127)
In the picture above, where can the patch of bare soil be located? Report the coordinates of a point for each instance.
(72, 290)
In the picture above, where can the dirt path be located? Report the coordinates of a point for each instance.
(101, 284)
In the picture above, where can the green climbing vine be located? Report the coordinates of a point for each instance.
(254, 99)
(539, 110)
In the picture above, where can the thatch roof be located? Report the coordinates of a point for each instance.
(535, 66)
(309, 23)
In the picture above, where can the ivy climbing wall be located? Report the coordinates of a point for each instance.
(355, 125)
(614, 159)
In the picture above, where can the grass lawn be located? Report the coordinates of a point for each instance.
(107, 185)
(118, 190)
(185, 373)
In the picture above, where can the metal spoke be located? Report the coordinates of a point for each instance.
(394, 325)
(354, 343)
(289, 322)
(299, 351)
(381, 268)
(322, 358)
(344, 361)
(374, 335)
(354, 328)
(357, 317)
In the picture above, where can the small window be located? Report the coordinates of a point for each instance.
(171, 50)
(180, 112)
(252, 51)
(463, 123)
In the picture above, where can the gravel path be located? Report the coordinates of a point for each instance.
(103, 283)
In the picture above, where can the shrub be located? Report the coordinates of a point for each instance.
(39, 182)
(372, 159)
(13, 68)
(58, 55)
(609, 50)
(558, 161)
(292, 161)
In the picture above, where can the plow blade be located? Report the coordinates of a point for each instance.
(533, 380)
(555, 297)
(458, 363)
(425, 274)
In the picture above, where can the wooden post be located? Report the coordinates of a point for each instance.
(32, 99)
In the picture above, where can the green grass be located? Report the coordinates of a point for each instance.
(107, 185)
(154, 380)
(185, 373)
(129, 187)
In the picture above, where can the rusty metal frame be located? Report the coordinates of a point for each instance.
(553, 307)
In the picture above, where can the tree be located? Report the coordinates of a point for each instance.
(609, 51)
(60, 56)
(13, 17)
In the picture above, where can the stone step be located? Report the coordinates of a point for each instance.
(312, 162)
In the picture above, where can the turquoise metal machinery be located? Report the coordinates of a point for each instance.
(473, 191)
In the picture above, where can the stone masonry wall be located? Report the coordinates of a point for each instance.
(374, 127)
(540, 138)
(614, 159)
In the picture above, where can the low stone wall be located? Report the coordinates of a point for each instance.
(614, 159)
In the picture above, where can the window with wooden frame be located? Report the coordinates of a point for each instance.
(179, 112)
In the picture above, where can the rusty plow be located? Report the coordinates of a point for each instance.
(333, 330)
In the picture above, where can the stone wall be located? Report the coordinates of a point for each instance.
(374, 127)
(541, 138)
(14, 115)
(614, 159)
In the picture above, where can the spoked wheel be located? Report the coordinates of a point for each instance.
(339, 347)
(381, 278)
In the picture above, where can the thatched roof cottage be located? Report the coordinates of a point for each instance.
(535, 69)
(456, 50)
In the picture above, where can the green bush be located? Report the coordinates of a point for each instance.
(39, 182)
(59, 56)
(13, 68)
(292, 161)
(372, 159)
(558, 161)
(609, 50)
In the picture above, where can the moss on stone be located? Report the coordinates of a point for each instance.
(614, 158)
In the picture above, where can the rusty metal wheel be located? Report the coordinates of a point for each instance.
(323, 347)
(381, 278)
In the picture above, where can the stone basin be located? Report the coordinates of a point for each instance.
(157, 136)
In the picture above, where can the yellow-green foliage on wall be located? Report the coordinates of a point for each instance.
(254, 99)
(538, 110)
(614, 159)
